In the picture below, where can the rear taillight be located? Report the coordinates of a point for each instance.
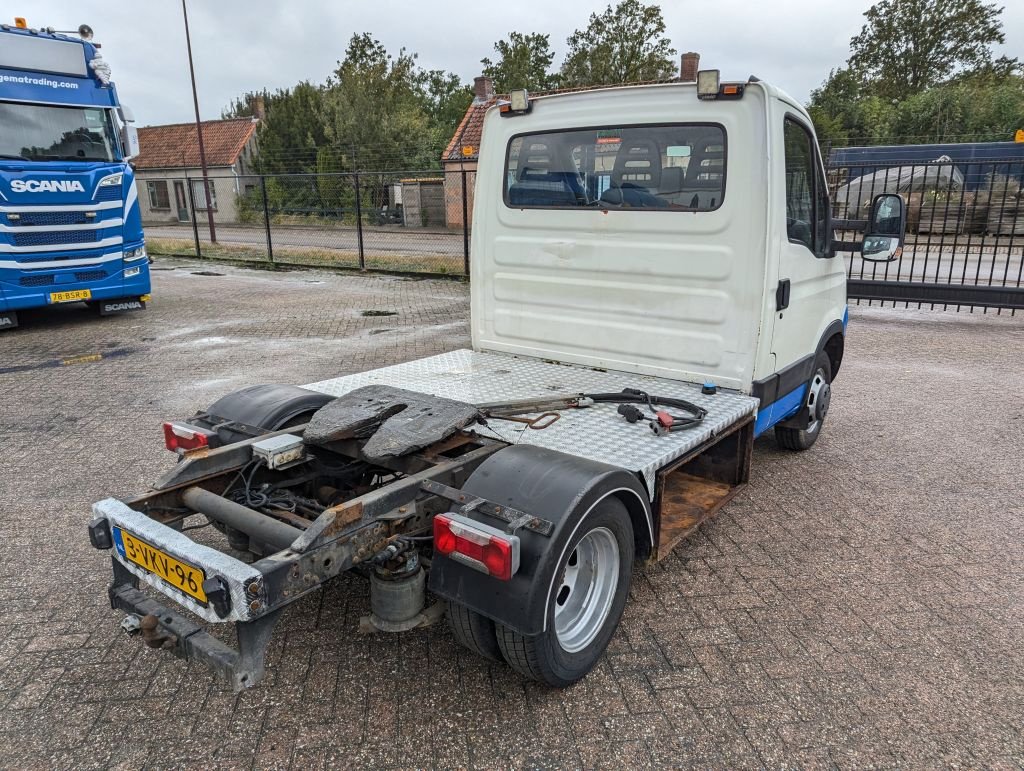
(478, 546)
(181, 437)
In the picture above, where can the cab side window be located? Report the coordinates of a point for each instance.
(799, 184)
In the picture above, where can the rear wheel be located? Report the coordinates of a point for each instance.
(473, 631)
(819, 395)
(584, 603)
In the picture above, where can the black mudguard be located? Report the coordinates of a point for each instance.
(554, 486)
(268, 407)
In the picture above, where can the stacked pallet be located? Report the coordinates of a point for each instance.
(943, 213)
(1006, 206)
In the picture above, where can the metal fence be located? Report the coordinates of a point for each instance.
(965, 233)
(400, 222)
(964, 246)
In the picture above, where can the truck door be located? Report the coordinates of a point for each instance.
(810, 293)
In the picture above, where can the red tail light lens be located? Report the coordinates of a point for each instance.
(181, 437)
(478, 546)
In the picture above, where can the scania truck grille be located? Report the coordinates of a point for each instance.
(50, 218)
(56, 238)
(110, 193)
(36, 280)
(48, 280)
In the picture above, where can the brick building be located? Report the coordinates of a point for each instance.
(168, 162)
(463, 151)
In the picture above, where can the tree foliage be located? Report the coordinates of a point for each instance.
(375, 111)
(909, 45)
(625, 43)
(292, 128)
(922, 71)
(375, 108)
(524, 61)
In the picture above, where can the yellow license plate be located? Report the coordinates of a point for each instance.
(70, 297)
(182, 576)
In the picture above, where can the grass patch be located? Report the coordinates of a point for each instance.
(311, 257)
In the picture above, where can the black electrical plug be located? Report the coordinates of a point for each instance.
(631, 413)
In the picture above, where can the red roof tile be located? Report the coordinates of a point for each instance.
(176, 146)
(465, 142)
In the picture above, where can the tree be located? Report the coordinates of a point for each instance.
(446, 99)
(375, 106)
(292, 127)
(524, 61)
(375, 112)
(623, 44)
(907, 46)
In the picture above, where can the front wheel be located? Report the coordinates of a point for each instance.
(584, 603)
(819, 395)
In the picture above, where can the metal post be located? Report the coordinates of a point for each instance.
(465, 224)
(359, 225)
(199, 129)
(266, 217)
(192, 212)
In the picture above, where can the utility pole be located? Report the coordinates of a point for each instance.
(199, 130)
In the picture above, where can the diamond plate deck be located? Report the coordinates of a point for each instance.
(597, 432)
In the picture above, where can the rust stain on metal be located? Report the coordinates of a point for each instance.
(688, 501)
(344, 516)
(149, 626)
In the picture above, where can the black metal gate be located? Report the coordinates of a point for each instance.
(965, 232)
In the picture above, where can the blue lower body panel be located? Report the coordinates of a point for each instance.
(781, 409)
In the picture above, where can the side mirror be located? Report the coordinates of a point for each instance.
(130, 141)
(886, 227)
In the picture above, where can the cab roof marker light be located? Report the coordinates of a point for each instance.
(518, 103)
(708, 83)
(519, 99)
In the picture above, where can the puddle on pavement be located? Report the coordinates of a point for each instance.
(205, 273)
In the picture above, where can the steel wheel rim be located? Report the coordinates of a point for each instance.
(812, 400)
(586, 590)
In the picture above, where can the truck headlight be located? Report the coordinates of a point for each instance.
(138, 253)
(132, 272)
(113, 179)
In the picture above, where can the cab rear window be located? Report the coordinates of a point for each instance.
(666, 167)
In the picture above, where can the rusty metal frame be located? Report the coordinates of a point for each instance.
(722, 465)
(340, 538)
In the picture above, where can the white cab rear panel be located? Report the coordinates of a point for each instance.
(676, 294)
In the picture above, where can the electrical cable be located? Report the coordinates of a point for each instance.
(666, 421)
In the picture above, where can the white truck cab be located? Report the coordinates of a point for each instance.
(647, 229)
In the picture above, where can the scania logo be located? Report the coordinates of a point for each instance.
(133, 305)
(47, 186)
(6, 321)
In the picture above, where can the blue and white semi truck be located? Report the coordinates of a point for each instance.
(70, 224)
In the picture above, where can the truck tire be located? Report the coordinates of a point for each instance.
(473, 631)
(585, 601)
(819, 393)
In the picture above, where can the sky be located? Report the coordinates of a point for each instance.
(247, 45)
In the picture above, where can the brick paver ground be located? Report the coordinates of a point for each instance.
(859, 605)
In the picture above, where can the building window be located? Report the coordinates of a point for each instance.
(158, 195)
(199, 196)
